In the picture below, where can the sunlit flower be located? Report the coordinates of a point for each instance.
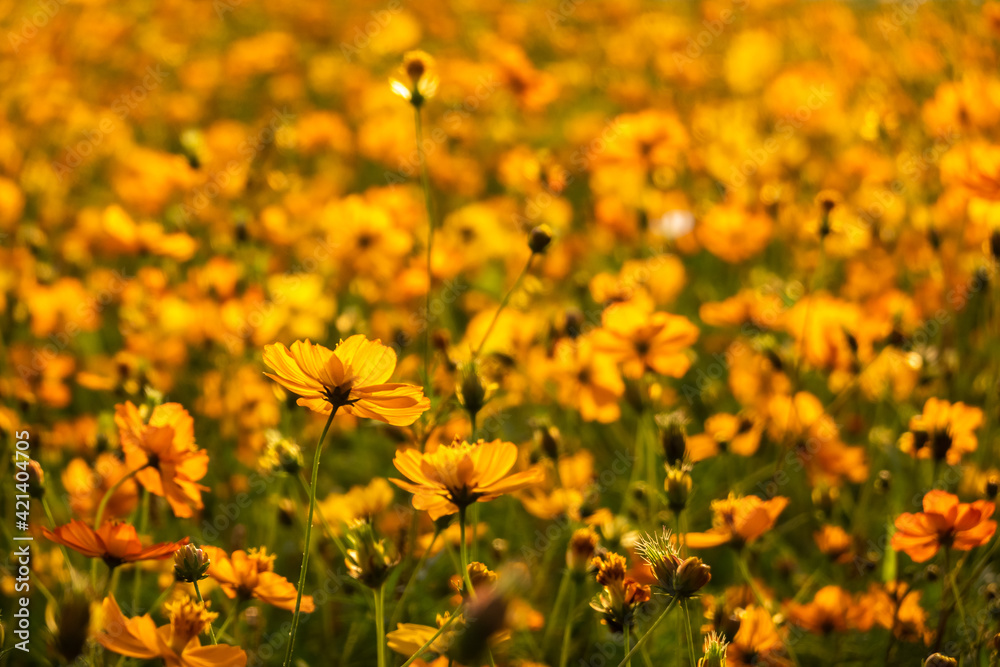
(250, 575)
(944, 431)
(945, 522)
(457, 475)
(114, 542)
(353, 377)
(738, 520)
(177, 644)
(164, 452)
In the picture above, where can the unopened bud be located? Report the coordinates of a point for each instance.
(190, 564)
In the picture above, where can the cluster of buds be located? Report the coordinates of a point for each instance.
(190, 564)
(369, 560)
(622, 595)
(677, 577)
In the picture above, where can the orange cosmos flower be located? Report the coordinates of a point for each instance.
(945, 431)
(739, 520)
(825, 614)
(177, 644)
(114, 542)
(757, 641)
(352, 376)
(945, 522)
(641, 339)
(164, 449)
(250, 574)
(456, 476)
(588, 380)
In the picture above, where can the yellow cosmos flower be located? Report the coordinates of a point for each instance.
(177, 644)
(353, 376)
(453, 477)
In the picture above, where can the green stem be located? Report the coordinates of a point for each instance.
(143, 524)
(434, 637)
(560, 594)
(741, 562)
(649, 633)
(464, 551)
(322, 519)
(100, 514)
(211, 632)
(568, 628)
(380, 623)
(626, 643)
(398, 609)
(305, 551)
(503, 304)
(233, 612)
(690, 635)
(426, 185)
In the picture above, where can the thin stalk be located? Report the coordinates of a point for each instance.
(143, 524)
(398, 609)
(433, 638)
(305, 551)
(649, 633)
(464, 551)
(626, 643)
(568, 628)
(690, 635)
(100, 515)
(326, 526)
(211, 631)
(503, 304)
(380, 623)
(233, 613)
(560, 594)
(426, 185)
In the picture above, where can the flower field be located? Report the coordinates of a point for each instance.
(577, 333)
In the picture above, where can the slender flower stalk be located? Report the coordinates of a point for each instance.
(503, 304)
(464, 550)
(380, 623)
(425, 184)
(100, 513)
(211, 631)
(444, 626)
(305, 551)
(568, 628)
(649, 633)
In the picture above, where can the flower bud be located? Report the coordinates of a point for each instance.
(582, 546)
(473, 391)
(36, 480)
(692, 575)
(368, 560)
(74, 619)
(281, 455)
(678, 488)
(539, 239)
(190, 564)
(715, 651)
(673, 436)
(992, 487)
(938, 660)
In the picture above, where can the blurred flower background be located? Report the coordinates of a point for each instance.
(502, 333)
